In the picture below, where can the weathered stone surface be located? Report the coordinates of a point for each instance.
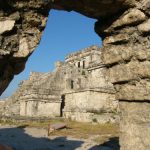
(137, 91)
(94, 9)
(115, 54)
(29, 15)
(79, 84)
(120, 38)
(128, 66)
(6, 25)
(23, 48)
(145, 6)
(134, 126)
(16, 42)
(119, 54)
(144, 27)
(133, 17)
(128, 72)
(102, 118)
(90, 101)
(15, 16)
(143, 54)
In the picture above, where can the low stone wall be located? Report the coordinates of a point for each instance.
(90, 105)
(90, 100)
(91, 117)
(40, 109)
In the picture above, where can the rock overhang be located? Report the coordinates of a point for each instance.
(26, 19)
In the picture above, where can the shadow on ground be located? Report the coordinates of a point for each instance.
(22, 138)
(111, 144)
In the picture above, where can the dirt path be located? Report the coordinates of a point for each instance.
(37, 139)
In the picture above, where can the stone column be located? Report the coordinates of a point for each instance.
(126, 53)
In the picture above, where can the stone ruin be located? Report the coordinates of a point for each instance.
(124, 26)
(71, 91)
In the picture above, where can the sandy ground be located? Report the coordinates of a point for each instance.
(37, 139)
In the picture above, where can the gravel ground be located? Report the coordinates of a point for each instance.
(37, 139)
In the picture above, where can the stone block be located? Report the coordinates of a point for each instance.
(142, 54)
(130, 71)
(134, 16)
(116, 54)
(15, 16)
(144, 27)
(138, 91)
(134, 126)
(120, 38)
(6, 25)
(145, 6)
(23, 48)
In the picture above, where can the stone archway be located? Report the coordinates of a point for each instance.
(124, 26)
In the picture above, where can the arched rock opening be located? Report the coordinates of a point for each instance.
(22, 23)
(125, 29)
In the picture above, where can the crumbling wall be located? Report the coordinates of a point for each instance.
(22, 23)
(91, 106)
(21, 26)
(93, 98)
(86, 92)
(43, 98)
(125, 30)
(36, 108)
(126, 53)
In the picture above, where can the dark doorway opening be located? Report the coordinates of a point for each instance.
(83, 64)
(62, 105)
(78, 64)
(72, 84)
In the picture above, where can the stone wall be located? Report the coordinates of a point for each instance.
(89, 105)
(85, 58)
(68, 90)
(92, 100)
(89, 100)
(21, 26)
(43, 99)
(22, 23)
(124, 28)
(40, 108)
(126, 53)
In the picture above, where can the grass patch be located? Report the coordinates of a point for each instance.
(86, 130)
(75, 129)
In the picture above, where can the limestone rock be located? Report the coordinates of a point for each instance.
(17, 42)
(145, 6)
(134, 16)
(136, 91)
(135, 120)
(120, 38)
(127, 67)
(15, 16)
(144, 27)
(34, 15)
(116, 54)
(23, 48)
(143, 54)
(130, 71)
(94, 9)
(6, 26)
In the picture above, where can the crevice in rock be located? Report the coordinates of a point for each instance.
(135, 101)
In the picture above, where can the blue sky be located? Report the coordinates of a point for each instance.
(65, 32)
